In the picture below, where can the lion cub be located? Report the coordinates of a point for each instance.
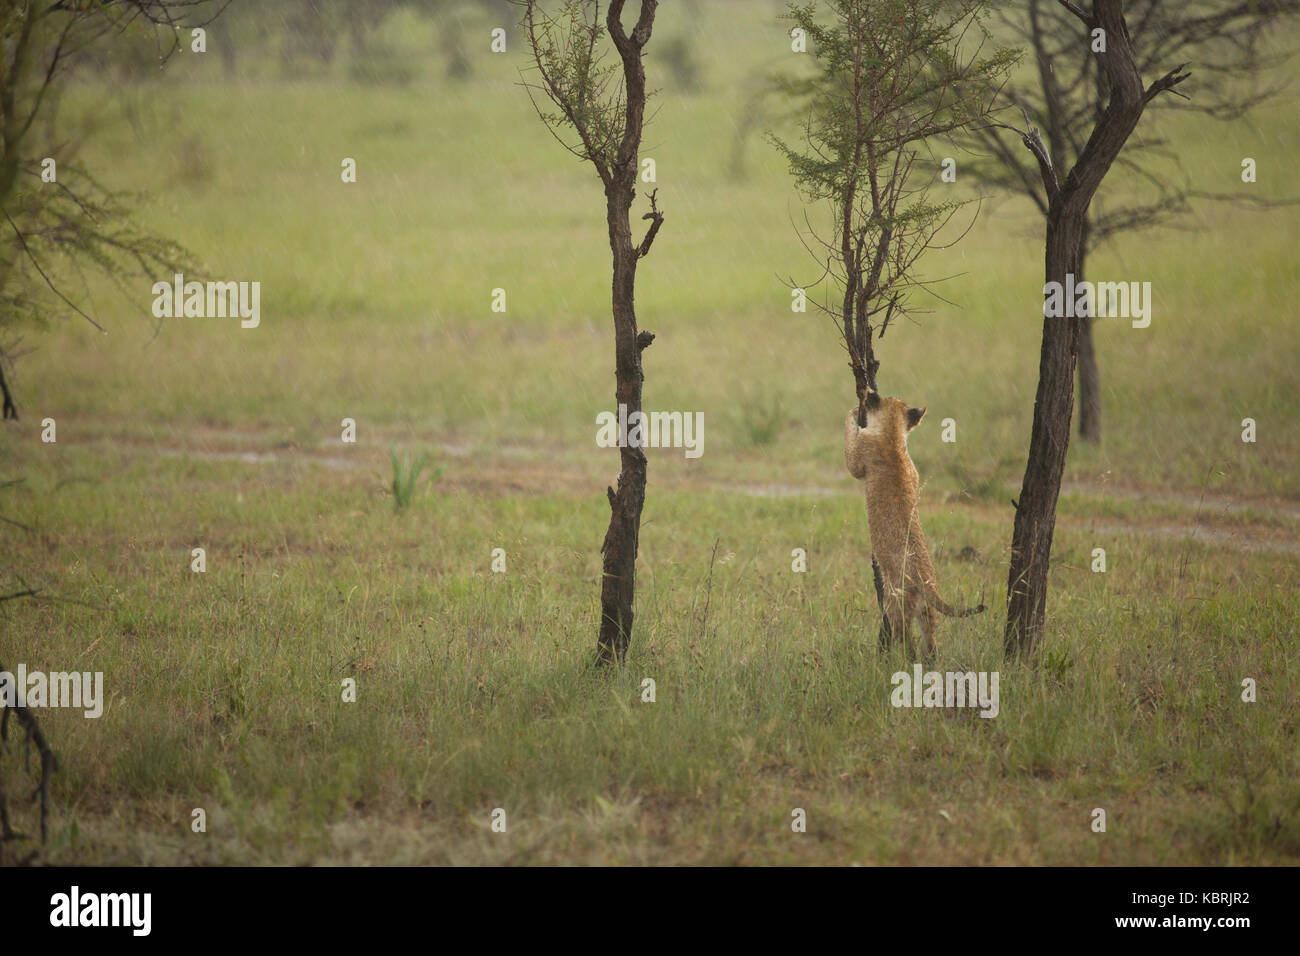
(878, 454)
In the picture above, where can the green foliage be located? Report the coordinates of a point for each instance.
(405, 475)
(69, 225)
(889, 75)
(586, 91)
(73, 224)
(1056, 663)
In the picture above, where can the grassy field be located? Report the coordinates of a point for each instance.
(474, 688)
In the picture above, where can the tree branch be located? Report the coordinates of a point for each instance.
(1077, 11)
(1033, 141)
(1167, 82)
(657, 218)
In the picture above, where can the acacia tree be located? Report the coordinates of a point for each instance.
(607, 118)
(60, 214)
(1069, 194)
(1067, 91)
(889, 74)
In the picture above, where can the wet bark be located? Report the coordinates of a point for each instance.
(1089, 374)
(1089, 385)
(1031, 542)
(10, 409)
(618, 581)
(622, 538)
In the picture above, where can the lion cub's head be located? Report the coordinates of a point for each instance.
(890, 417)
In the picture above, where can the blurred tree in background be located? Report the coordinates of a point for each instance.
(1066, 92)
(56, 217)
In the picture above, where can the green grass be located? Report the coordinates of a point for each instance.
(475, 688)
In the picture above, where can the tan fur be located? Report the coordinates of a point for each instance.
(878, 456)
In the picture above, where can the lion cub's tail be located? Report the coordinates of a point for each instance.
(946, 609)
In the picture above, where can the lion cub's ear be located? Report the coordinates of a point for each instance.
(914, 416)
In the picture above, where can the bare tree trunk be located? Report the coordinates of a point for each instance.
(1089, 385)
(1031, 541)
(885, 635)
(618, 583)
(34, 735)
(1089, 375)
(10, 409)
(864, 373)
(568, 83)
(621, 540)
(865, 366)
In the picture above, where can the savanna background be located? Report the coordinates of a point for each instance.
(476, 690)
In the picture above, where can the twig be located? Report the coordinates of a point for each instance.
(658, 220)
(1167, 83)
(708, 594)
(53, 288)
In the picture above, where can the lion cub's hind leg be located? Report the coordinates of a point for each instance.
(927, 624)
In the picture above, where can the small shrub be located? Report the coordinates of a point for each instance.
(405, 475)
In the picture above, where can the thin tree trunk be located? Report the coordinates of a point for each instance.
(32, 729)
(865, 376)
(884, 636)
(1031, 542)
(1068, 202)
(618, 582)
(10, 409)
(1089, 375)
(617, 587)
(1089, 385)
